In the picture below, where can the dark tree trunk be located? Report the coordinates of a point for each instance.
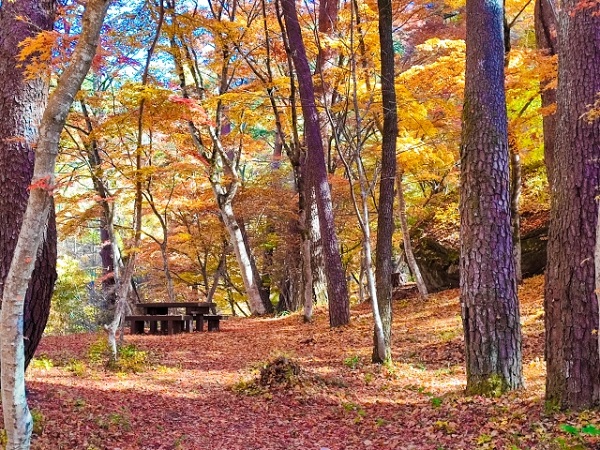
(545, 35)
(385, 215)
(339, 304)
(21, 106)
(571, 306)
(488, 288)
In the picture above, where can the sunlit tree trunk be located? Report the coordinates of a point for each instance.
(571, 304)
(488, 288)
(252, 283)
(17, 418)
(339, 304)
(22, 103)
(408, 250)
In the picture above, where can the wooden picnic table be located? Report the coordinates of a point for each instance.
(156, 313)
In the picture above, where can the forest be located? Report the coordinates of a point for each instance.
(390, 205)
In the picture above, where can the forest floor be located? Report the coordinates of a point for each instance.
(198, 391)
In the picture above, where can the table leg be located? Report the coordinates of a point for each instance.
(137, 327)
(199, 322)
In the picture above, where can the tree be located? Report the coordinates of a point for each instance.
(545, 35)
(222, 150)
(17, 418)
(22, 103)
(385, 217)
(571, 305)
(488, 289)
(339, 305)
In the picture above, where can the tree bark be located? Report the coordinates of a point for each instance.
(245, 260)
(339, 303)
(545, 35)
(17, 418)
(22, 103)
(326, 25)
(385, 216)
(317, 258)
(109, 251)
(571, 305)
(488, 288)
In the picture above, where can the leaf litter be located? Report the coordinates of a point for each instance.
(278, 383)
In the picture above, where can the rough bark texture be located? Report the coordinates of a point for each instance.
(573, 366)
(339, 304)
(22, 103)
(17, 418)
(545, 35)
(385, 215)
(488, 289)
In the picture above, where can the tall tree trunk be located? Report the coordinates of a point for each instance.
(385, 216)
(488, 289)
(515, 171)
(22, 103)
(326, 25)
(408, 250)
(571, 305)
(109, 251)
(545, 35)
(17, 418)
(308, 284)
(339, 303)
(307, 273)
(245, 261)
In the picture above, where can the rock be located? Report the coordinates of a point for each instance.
(439, 262)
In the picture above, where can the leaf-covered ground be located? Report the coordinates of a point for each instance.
(197, 390)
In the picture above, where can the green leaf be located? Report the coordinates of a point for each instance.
(591, 430)
(570, 429)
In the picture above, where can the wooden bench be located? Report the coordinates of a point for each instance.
(168, 324)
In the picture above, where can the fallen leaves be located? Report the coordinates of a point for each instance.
(185, 397)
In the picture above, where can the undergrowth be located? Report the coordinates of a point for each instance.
(130, 359)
